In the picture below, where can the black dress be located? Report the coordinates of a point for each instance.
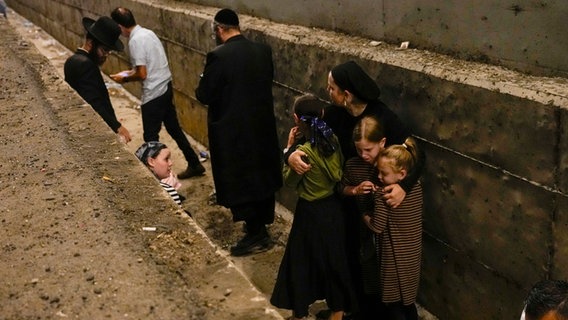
(306, 274)
(315, 266)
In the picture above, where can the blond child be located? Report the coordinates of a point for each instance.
(398, 232)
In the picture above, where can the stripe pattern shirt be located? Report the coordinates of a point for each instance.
(172, 192)
(399, 245)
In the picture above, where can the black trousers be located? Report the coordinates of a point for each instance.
(162, 110)
(256, 214)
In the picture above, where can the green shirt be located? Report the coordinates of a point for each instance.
(319, 182)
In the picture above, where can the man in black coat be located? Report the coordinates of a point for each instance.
(83, 74)
(245, 157)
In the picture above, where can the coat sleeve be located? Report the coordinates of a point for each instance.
(89, 85)
(211, 80)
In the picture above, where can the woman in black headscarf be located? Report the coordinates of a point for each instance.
(355, 95)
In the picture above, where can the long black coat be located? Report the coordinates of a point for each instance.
(245, 155)
(85, 77)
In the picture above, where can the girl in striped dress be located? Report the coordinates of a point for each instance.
(360, 180)
(398, 232)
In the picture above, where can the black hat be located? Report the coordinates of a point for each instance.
(349, 76)
(227, 17)
(105, 30)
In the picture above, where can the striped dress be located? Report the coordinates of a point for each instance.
(172, 192)
(356, 171)
(399, 239)
(363, 249)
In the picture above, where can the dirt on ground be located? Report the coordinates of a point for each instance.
(76, 205)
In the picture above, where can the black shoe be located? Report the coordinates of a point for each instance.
(252, 244)
(198, 170)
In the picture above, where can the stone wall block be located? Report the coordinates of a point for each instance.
(560, 249)
(500, 222)
(528, 36)
(562, 175)
(489, 126)
(194, 32)
(65, 35)
(185, 65)
(454, 286)
(283, 101)
(306, 74)
(192, 116)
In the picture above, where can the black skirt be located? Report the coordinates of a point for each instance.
(314, 266)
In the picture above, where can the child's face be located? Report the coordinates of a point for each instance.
(387, 174)
(368, 150)
(162, 164)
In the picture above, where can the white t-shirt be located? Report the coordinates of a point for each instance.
(147, 50)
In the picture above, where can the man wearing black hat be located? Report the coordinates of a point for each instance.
(83, 74)
(150, 66)
(236, 84)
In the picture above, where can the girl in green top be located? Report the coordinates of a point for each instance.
(314, 266)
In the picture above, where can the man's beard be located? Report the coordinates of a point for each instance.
(218, 40)
(93, 55)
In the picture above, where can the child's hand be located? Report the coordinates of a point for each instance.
(172, 181)
(364, 187)
(367, 220)
(294, 135)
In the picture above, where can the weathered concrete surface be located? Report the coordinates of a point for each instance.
(527, 35)
(496, 179)
(74, 204)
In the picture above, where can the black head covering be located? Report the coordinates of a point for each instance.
(105, 30)
(349, 76)
(227, 17)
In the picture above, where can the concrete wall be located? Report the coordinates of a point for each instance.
(496, 180)
(527, 35)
